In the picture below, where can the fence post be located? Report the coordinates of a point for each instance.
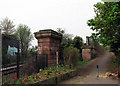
(57, 58)
(18, 59)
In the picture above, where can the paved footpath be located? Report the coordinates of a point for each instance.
(90, 76)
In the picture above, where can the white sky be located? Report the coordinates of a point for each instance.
(71, 15)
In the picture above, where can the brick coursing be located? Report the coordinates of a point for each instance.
(86, 54)
(48, 43)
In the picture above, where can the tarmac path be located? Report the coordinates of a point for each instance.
(88, 74)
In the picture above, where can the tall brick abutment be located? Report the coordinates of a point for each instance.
(48, 43)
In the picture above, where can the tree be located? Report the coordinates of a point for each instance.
(77, 42)
(65, 42)
(25, 36)
(7, 26)
(66, 38)
(34, 50)
(106, 23)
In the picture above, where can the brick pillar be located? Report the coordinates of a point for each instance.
(48, 43)
(86, 54)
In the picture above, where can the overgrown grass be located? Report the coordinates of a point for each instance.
(82, 63)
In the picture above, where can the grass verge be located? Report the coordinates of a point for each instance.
(82, 63)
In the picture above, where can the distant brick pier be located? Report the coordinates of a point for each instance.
(48, 43)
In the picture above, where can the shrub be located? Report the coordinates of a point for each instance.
(71, 56)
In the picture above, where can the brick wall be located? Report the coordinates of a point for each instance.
(49, 46)
(86, 54)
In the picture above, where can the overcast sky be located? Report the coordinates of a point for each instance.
(71, 15)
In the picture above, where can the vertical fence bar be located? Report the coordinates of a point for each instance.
(18, 60)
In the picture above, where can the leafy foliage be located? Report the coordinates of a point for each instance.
(68, 42)
(66, 38)
(106, 23)
(65, 42)
(78, 42)
(34, 50)
(7, 26)
(25, 36)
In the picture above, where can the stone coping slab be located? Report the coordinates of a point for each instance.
(47, 33)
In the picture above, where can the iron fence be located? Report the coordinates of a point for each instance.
(31, 66)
